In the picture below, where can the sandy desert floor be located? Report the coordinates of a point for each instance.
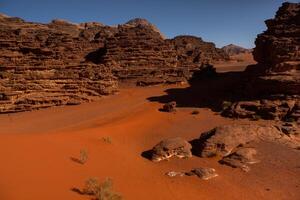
(37, 149)
(237, 63)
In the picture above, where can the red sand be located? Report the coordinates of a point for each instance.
(36, 149)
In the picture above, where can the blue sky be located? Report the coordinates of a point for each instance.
(219, 21)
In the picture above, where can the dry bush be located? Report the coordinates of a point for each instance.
(101, 191)
(107, 140)
(83, 156)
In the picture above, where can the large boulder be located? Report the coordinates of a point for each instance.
(223, 140)
(241, 158)
(173, 147)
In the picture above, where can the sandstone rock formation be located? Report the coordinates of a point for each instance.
(63, 63)
(44, 65)
(272, 87)
(223, 140)
(241, 158)
(277, 49)
(203, 173)
(192, 51)
(230, 142)
(173, 147)
(232, 49)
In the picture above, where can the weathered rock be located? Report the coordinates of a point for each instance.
(241, 158)
(44, 65)
(223, 140)
(203, 173)
(173, 174)
(169, 107)
(139, 54)
(232, 49)
(173, 147)
(284, 108)
(273, 83)
(192, 51)
(62, 63)
(277, 49)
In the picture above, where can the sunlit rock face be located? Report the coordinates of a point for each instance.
(274, 82)
(63, 63)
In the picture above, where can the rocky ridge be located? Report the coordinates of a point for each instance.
(272, 87)
(62, 63)
(232, 49)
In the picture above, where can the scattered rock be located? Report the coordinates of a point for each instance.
(173, 174)
(241, 158)
(173, 147)
(169, 107)
(203, 173)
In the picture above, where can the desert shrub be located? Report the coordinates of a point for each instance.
(83, 156)
(107, 140)
(101, 191)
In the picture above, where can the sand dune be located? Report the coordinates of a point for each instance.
(37, 148)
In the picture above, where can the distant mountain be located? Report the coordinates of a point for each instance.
(232, 49)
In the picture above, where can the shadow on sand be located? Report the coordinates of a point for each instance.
(206, 92)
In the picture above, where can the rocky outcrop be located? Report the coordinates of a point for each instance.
(203, 173)
(241, 158)
(272, 87)
(277, 49)
(285, 109)
(44, 65)
(192, 51)
(63, 63)
(139, 53)
(232, 49)
(231, 143)
(173, 147)
(224, 140)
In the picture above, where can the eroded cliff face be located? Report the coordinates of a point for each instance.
(61, 63)
(273, 85)
(45, 65)
(278, 48)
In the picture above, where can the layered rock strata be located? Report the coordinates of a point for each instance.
(62, 63)
(272, 87)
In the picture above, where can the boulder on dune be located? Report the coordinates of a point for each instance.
(173, 147)
(223, 140)
(241, 158)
